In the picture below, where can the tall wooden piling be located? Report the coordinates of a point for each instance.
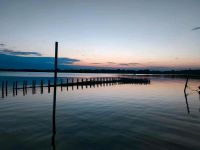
(54, 95)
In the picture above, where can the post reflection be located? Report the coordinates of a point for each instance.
(54, 120)
(186, 101)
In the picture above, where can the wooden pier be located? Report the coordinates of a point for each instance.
(7, 87)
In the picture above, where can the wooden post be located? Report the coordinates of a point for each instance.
(100, 81)
(48, 86)
(72, 84)
(77, 82)
(86, 82)
(67, 84)
(94, 82)
(42, 86)
(26, 86)
(14, 88)
(54, 95)
(82, 83)
(34, 86)
(61, 84)
(6, 88)
(2, 86)
(23, 88)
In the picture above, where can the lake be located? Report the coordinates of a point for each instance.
(155, 116)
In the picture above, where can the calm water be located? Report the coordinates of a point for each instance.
(113, 117)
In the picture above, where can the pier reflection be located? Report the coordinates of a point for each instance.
(54, 120)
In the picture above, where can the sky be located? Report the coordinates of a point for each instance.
(132, 34)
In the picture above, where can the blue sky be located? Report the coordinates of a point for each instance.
(106, 33)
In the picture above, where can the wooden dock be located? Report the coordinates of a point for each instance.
(67, 82)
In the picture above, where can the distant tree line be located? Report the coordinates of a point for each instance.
(117, 71)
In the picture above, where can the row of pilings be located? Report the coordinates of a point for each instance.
(68, 82)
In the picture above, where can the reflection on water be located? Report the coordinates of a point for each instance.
(186, 101)
(126, 116)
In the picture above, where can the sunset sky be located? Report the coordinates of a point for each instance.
(104, 33)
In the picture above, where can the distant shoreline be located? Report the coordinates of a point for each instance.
(115, 71)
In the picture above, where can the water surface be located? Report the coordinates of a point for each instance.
(113, 117)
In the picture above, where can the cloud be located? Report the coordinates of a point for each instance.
(123, 64)
(96, 63)
(1, 44)
(24, 62)
(129, 64)
(134, 64)
(18, 53)
(196, 28)
(110, 62)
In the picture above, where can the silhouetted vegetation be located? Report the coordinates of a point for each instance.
(117, 71)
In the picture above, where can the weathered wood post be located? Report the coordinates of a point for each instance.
(2, 86)
(26, 86)
(67, 84)
(13, 88)
(23, 88)
(6, 88)
(90, 83)
(72, 83)
(16, 88)
(42, 86)
(49, 86)
(34, 86)
(82, 83)
(77, 82)
(86, 82)
(94, 82)
(100, 81)
(61, 84)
